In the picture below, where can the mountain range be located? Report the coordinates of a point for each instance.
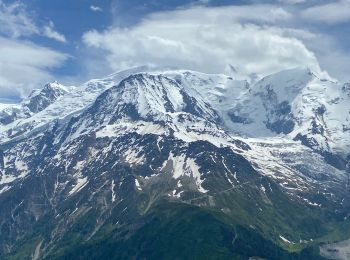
(160, 163)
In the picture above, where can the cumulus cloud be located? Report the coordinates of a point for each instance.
(206, 39)
(332, 13)
(25, 66)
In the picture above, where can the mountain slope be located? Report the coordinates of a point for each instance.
(37, 101)
(300, 105)
(143, 151)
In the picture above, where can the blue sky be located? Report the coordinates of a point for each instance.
(73, 41)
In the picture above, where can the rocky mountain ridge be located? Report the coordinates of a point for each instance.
(111, 151)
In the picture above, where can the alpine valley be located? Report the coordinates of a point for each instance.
(160, 163)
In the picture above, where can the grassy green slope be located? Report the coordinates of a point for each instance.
(178, 231)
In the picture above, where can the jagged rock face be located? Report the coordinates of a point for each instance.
(346, 88)
(10, 113)
(105, 156)
(297, 103)
(37, 101)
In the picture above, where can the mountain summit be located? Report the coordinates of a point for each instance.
(120, 166)
(37, 101)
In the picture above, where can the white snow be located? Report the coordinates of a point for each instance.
(285, 240)
(21, 166)
(113, 192)
(80, 183)
(74, 102)
(184, 166)
(137, 184)
(5, 188)
(132, 156)
(304, 91)
(8, 179)
(176, 194)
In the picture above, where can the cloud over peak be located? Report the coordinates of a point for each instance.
(206, 39)
(24, 66)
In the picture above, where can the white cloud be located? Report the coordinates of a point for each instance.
(292, 2)
(332, 13)
(206, 39)
(25, 66)
(95, 8)
(17, 22)
(333, 57)
(246, 13)
(49, 32)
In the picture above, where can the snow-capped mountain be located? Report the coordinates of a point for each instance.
(299, 104)
(268, 156)
(37, 101)
(40, 99)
